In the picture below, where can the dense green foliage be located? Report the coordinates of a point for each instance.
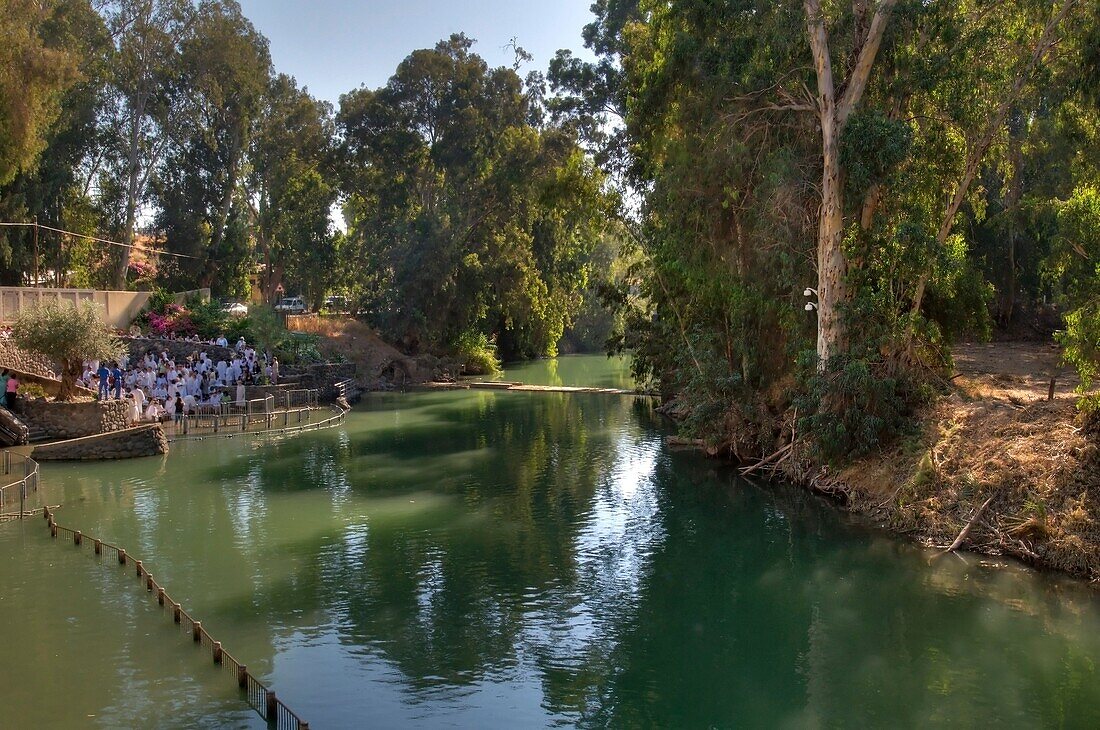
(717, 131)
(927, 170)
(471, 215)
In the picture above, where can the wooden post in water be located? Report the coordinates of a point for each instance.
(160, 595)
(196, 631)
(217, 652)
(138, 568)
(242, 676)
(77, 537)
(121, 556)
(98, 546)
(272, 706)
(176, 612)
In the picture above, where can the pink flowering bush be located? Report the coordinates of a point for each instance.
(172, 321)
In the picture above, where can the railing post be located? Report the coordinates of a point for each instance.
(148, 581)
(138, 568)
(242, 676)
(7, 462)
(121, 556)
(53, 529)
(160, 595)
(196, 631)
(217, 652)
(176, 612)
(77, 537)
(22, 498)
(272, 706)
(98, 546)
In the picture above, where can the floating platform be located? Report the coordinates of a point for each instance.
(524, 388)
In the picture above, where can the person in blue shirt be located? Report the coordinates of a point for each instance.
(116, 373)
(103, 373)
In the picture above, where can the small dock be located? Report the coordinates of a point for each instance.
(525, 388)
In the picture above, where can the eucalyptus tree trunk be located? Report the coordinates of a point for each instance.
(218, 234)
(833, 113)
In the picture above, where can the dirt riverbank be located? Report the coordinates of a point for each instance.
(994, 462)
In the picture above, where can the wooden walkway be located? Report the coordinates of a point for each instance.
(524, 388)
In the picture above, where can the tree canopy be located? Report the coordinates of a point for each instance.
(68, 335)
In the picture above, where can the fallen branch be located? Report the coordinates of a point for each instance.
(745, 471)
(969, 525)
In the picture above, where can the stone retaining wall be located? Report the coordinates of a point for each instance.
(146, 440)
(321, 376)
(74, 420)
(32, 363)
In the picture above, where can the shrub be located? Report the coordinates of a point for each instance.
(477, 353)
(68, 335)
(853, 407)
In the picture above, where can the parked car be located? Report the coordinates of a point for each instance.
(291, 305)
(336, 303)
(235, 309)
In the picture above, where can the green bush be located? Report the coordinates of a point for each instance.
(853, 407)
(478, 354)
(207, 317)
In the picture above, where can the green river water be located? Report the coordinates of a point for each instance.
(489, 559)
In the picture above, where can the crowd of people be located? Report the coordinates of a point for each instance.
(160, 389)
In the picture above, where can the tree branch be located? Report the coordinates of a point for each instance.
(861, 74)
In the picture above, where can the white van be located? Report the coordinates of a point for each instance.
(291, 305)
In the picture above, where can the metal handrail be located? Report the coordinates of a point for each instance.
(337, 417)
(240, 415)
(23, 486)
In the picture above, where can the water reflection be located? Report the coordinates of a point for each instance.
(503, 559)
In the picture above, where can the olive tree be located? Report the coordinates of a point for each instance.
(68, 335)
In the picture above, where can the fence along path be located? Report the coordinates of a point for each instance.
(15, 491)
(260, 698)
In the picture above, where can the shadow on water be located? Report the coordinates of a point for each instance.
(502, 559)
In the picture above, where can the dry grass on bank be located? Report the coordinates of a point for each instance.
(351, 340)
(996, 436)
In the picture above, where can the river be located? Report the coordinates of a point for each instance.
(506, 559)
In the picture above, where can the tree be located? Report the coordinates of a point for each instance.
(68, 335)
(291, 191)
(58, 186)
(469, 219)
(835, 105)
(226, 66)
(147, 36)
(33, 76)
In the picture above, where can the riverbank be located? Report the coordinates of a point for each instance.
(994, 462)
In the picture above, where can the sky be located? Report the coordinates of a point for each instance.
(334, 46)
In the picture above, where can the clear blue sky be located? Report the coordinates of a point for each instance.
(334, 46)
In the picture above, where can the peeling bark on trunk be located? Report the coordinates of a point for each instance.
(132, 177)
(218, 234)
(70, 372)
(832, 267)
